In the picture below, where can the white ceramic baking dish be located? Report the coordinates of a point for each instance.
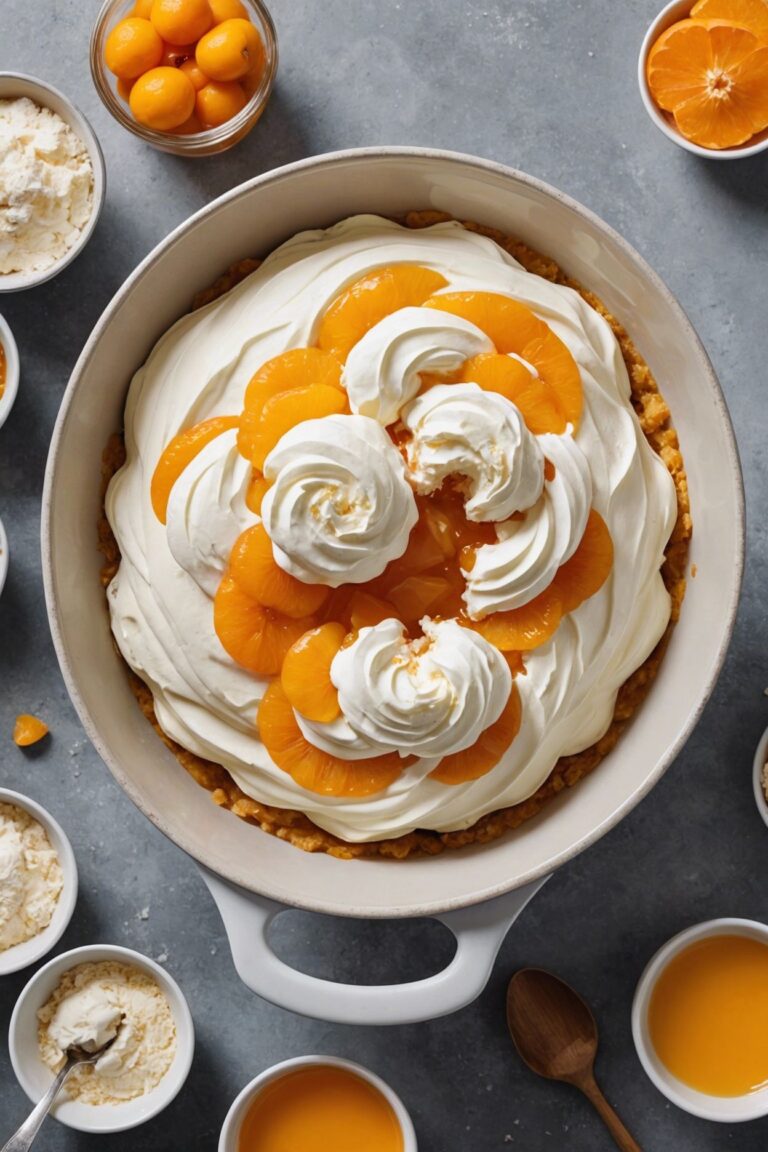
(477, 892)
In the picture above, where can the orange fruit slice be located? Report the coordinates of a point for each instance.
(514, 328)
(306, 673)
(751, 14)
(310, 767)
(713, 78)
(589, 567)
(252, 565)
(297, 368)
(28, 730)
(526, 628)
(255, 637)
(257, 487)
(285, 411)
(486, 752)
(371, 298)
(179, 454)
(536, 400)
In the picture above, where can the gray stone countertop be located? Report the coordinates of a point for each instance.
(547, 86)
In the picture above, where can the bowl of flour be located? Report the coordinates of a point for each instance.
(52, 181)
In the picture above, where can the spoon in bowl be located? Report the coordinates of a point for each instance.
(556, 1035)
(76, 1057)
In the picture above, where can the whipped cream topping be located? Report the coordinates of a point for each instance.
(340, 507)
(431, 696)
(382, 372)
(460, 430)
(162, 614)
(530, 551)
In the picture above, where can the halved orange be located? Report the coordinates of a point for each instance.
(179, 454)
(751, 14)
(486, 752)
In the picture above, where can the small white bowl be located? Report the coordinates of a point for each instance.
(15, 84)
(230, 1133)
(5, 556)
(22, 955)
(11, 371)
(726, 1109)
(35, 1077)
(761, 757)
(674, 11)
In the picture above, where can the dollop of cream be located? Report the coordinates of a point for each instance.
(340, 507)
(431, 696)
(383, 370)
(460, 430)
(530, 551)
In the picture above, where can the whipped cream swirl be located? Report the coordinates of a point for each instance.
(431, 696)
(530, 551)
(383, 370)
(340, 507)
(460, 430)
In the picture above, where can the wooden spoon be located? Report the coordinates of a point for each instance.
(556, 1035)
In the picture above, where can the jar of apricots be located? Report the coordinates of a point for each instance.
(190, 77)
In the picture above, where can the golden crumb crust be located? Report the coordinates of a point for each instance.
(295, 827)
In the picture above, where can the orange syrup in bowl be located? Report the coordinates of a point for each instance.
(708, 1015)
(322, 1108)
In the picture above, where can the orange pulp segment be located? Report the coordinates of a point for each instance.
(589, 567)
(487, 750)
(526, 628)
(306, 673)
(296, 368)
(751, 14)
(285, 411)
(252, 565)
(255, 637)
(713, 77)
(257, 487)
(28, 730)
(310, 767)
(535, 399)
(179, 454)
(371, 298)
(513, 327)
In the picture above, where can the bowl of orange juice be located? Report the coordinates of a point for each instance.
(317, 1103)
(700, 1020)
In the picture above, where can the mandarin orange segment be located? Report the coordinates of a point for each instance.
(179, 454)
(485, 753)
(526, 628)
(255, 637)
(418, 596)
(513, 327)
(306, 673)
(589, 567)
(310, 767)
(366, 611)
(28, 730)
(252, 565)
(371, 298)
(285, 411)
(296, 368)
(257, 488)
(536, 400)
(751, 14)
(713, 77)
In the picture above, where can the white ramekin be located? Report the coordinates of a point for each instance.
(13, 85)
(727, 1109)
(22, 955)
(35, 1077)
(674, 11)
(228, 1141)
(761, 757)
(12, 372)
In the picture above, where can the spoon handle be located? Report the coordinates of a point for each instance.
(23, 1137)
(624, 1140)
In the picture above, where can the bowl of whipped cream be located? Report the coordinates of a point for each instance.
(87, 997)
(52, 181)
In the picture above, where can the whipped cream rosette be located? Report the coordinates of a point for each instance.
(390, 530)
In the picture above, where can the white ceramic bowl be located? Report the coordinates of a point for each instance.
(674, 11)
(728, 1109)
(12, 372)
(228, 1141)
(22, 955)
(35, 1077)
(5, 556)
(15, 84)
(761, 758)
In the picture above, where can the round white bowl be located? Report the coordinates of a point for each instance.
(5, 556)
(35, 1077)
(228, 1141)
(15, 84)
(12, 371)
(22, 955)
(726, 1109)
(761, 758)
(674, 11)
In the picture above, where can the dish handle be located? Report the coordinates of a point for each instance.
(479, 931)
